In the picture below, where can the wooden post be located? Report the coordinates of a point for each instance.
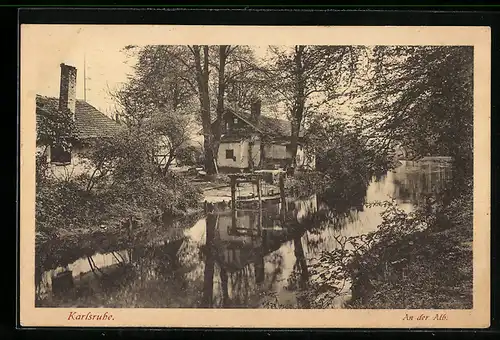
(260, 204)
(233, 192)
(234, 221)
(259, 193)
(282, 199)
(250, 156)
(216, 167)
(282, 188)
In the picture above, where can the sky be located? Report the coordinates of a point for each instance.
(107, 66)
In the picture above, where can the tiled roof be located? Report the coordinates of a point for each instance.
(89, 122)
(268, 125)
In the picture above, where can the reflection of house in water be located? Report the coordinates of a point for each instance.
(258, 228)
(81, 272)
(240, 246)
(107, 268)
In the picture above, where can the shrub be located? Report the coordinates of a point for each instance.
(189, 155)
(304, 184)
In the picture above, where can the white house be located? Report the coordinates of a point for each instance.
(89, 124)
(253, 141)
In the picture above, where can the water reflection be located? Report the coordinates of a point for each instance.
(414, 181)
(232, 259)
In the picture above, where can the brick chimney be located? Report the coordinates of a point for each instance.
(67, 91)
(255, 108)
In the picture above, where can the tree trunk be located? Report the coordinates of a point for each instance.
(223, 49)
(221, 89)
(208, 274)
(202, 75)
(299, 103)
(294, 142)
(168, 164)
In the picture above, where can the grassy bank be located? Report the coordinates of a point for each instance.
(425, 269)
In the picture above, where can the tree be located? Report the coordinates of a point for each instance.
(420, 97)
(346, 159)
(190, 155)
(307, 77)
(156, 100)
(159, 81)
(169, 134)
(231, 64)
(175, 75)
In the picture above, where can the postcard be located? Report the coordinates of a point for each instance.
(254, 177)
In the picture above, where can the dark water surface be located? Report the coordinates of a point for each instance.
(226, 260)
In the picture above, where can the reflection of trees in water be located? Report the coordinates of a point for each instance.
(344, 196)
(208, 275)
(300, 267)
(144, 261)
(245, 283)
(154, 278)
(276, 262)
(160, 277)
(242, 287)
(340, 205)
(159, 268)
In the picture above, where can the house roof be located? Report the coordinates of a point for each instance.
(267, 125)
(89, 122)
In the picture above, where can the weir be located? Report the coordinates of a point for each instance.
(258, 194)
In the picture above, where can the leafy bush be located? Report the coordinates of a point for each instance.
(189, 155)
(304, 184)
(124, 183)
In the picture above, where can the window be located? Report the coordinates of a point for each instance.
(235, 120)
(230, 154)
(60, 155)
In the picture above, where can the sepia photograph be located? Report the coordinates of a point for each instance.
(259, 175)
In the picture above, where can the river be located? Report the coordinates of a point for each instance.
(250, 259)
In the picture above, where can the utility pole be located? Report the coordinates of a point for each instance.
(84, 78)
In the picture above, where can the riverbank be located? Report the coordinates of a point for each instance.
(429, 269)
(101, 237)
